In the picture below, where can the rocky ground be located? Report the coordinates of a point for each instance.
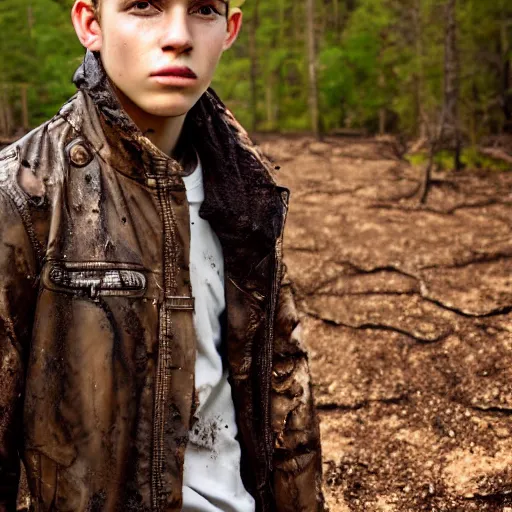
(407, 310)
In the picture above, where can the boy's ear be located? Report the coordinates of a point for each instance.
(86, 25)
(234, 26)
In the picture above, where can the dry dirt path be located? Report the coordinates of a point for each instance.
(407, 311)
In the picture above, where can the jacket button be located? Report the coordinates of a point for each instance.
(79, 155)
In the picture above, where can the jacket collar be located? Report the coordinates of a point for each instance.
(242, 201)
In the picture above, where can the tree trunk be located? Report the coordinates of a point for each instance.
(3, 121)
(448, 130)
(30, 21)
(7, 115)
(382, 110)
(269, 99)
(419, 79)
(24, 108)
(253, 55)
(336, 14)
(280, 75)
(451, 82)
(297, 28)
(313, 88)
(506, 91)
(382, 121)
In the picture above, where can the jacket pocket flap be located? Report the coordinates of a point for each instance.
(95, 278)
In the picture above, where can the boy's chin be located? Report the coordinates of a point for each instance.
(173, 105)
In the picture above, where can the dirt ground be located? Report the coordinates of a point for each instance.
(407, 311)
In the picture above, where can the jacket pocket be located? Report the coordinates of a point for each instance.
(95, 279)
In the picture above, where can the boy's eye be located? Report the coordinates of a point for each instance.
(147, 7)
(142, 7)
(206, 10)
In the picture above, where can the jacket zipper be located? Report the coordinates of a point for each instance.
(160, 399)
(268, 353)
(164, 349)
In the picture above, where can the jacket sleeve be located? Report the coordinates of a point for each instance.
(17, 271)
(297, 453)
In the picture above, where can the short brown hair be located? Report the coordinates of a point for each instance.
(96, 8)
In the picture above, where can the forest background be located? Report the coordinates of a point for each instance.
(402, 67)
(416, 298)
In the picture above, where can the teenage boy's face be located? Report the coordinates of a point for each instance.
(140, 40)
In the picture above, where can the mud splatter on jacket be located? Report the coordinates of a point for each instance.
(97, 345)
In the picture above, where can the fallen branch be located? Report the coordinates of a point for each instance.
(419, 145)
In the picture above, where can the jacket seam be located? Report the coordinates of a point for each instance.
(27, 224)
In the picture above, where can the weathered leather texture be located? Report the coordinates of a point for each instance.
(97, 345)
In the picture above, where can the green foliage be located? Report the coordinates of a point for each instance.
(471, 158)
(378, 61)
(39, 48)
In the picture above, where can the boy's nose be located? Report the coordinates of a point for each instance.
(176, 34)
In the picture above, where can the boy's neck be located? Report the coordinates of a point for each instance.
(163, 132)
(185, 154)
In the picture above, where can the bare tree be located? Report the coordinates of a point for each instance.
(253, 54)
(451, 130)
(313, 87)
(447, 133)
(419, 77)
(506, 87)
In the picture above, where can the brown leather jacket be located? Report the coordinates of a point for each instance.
(97, 345)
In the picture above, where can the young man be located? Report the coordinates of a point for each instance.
(150, 353)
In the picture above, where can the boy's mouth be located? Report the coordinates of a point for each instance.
(183, 72)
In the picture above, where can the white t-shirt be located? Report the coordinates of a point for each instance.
(211, 480)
